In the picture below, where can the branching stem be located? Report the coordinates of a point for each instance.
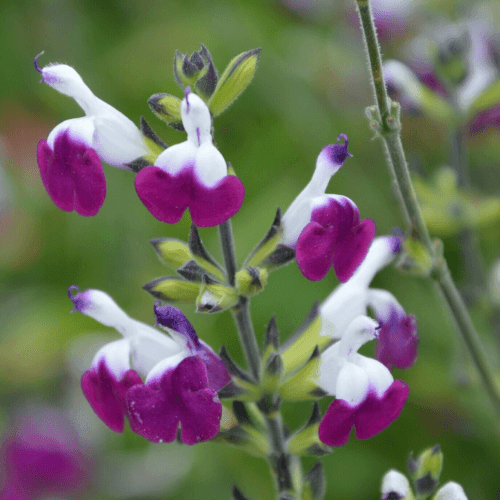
(390, 134)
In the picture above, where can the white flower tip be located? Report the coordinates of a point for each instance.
(62, 78)
(403, 79)
(196, 118)
(395, 485)
(451, 491)
(99, 306)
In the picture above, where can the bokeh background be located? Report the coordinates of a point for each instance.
(311, 85)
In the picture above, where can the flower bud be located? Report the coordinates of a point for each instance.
(251, 280)
(426, 469)
(395, 486)
(215, 297)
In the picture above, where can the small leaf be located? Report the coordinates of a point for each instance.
(172, 289)
(315, 483)
(202, 257)
(234, 80)
(168, 108)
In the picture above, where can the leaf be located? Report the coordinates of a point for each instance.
(234, 80)
(489, 98)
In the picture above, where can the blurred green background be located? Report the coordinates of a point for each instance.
(311, 85)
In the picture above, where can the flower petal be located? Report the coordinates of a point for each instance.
(182, 397)
(352, 250)
(376, 414)
(395, 485)
(314, 251)
(106, 384)
(451, 491)
(336, 425)
(167, 196)
(71, 170)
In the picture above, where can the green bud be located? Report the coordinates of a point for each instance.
(451, 57)
(415, 259)
(251, 280)
(172, 252)
(168, 108)
(172, 289)
(426, 470)
(215, 297)
(234, 80)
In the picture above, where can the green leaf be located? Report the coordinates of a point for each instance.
(234, 80)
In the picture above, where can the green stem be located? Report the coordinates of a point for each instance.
(279, 459)
(242, 310)
(390, 133)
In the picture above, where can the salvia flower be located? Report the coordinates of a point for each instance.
(325, 230)
(42, 456)
(191, 175)
(395, 486)
(70, 158)
(367, 396)
(450, 491)
(182, 374)
(398, 337)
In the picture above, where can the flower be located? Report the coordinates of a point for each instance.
(326, 230)
(182, 374)
(367, 396)
(70, 158)
(398, 336)
(451, 491)
(43, 456)
(395, 486)
(192, 174)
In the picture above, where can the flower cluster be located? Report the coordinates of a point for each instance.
(182, 374)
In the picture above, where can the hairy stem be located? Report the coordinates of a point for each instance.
(390, 134)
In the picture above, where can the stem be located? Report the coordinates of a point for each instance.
(242, 309)
(390, 134)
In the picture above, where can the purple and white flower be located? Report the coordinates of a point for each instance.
(181, 372)
(191, 175)
(398, 337)
(325, 230)
(395, 486)
(451, 491)
(70, 158)
(43, 457)
(367, 396)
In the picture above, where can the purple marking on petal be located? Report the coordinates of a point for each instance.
(371, 416)
(186, 94)
(181, 397)
(198, 135)
(338, 152)
(398, 340)
(171, 317)
(376, 414)
(489, 118)
(107, 395)
(352, 250)
(167, 196)
(80, 299)
(35, 62)
(72, 175)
